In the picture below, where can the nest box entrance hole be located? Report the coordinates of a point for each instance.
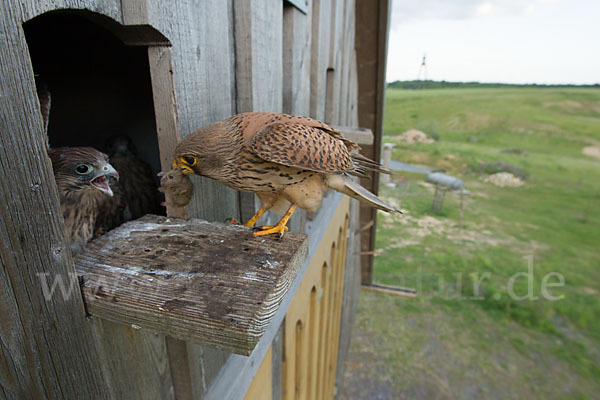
(99, 87)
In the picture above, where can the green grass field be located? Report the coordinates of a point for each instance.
(472, 333)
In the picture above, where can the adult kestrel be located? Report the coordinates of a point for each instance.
(281, 158)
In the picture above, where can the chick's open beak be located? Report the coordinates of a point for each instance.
(103, 179)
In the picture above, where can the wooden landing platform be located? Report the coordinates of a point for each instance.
(203, 282)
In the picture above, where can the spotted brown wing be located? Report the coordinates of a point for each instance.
(301, 146)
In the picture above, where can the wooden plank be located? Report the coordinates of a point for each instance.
(203, 80)
(320, 43)
(311, 351)
(296, 73)
(347, 53)
(277, 369)
(296, 61)
(135, 12)
(204, 85)
(300, 337)
(341, 254)
(203, 282)
(330, 99)
(32, 8)
(202, 361)
(329, 338)
(165, 110)
(146, 363)
(371, 48)
(47, 349)
(289, 360)
(258, 51)
(236, 376)
(258, 66)
(323, 313)
(180, 369)
(334, 67)
(263, 380)
(135, 362)
(351, 290)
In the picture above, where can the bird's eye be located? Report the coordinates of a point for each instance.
(190, 160)
(83, 169)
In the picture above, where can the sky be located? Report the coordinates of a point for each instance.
(507, 41)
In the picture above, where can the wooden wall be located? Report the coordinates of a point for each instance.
(308, 354)
(207, 60)
(372, 21)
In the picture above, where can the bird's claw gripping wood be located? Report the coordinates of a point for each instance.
(268, 230)
(280, 228)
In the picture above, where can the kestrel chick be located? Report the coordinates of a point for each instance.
(277, 156)
(82, 177)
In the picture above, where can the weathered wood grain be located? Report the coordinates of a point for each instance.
(134, 361)
(296, 61)
(296, 74)
(258, 52)
(135, 12)
(202, 361)
(203, 282)
(46, 349)
(204, 84)
(334, 66)
(203, 78)
(320, 44)
(236, 375)
(347, 48)
(258, 66)
(371, 51)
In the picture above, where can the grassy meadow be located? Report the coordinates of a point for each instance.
(477, 330)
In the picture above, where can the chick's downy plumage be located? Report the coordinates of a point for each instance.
(277, 156)
(82, 176)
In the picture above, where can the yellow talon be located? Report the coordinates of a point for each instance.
(280, 228)
(267, 230)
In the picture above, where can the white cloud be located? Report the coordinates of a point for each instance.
(485, 9)
(404, 11)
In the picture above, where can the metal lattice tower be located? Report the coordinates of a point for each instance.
(423, 70)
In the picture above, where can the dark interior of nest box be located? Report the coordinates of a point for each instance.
(99, 86)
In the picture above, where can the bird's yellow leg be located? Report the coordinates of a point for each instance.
(253, 220)
(281, 227)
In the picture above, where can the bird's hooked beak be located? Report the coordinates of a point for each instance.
(102, 179)
(186, 168)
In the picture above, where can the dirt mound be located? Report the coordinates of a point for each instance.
(592, 151)
(499, 166)
(413, 136)
(504, 179)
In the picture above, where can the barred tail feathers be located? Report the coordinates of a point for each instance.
(346, 185)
